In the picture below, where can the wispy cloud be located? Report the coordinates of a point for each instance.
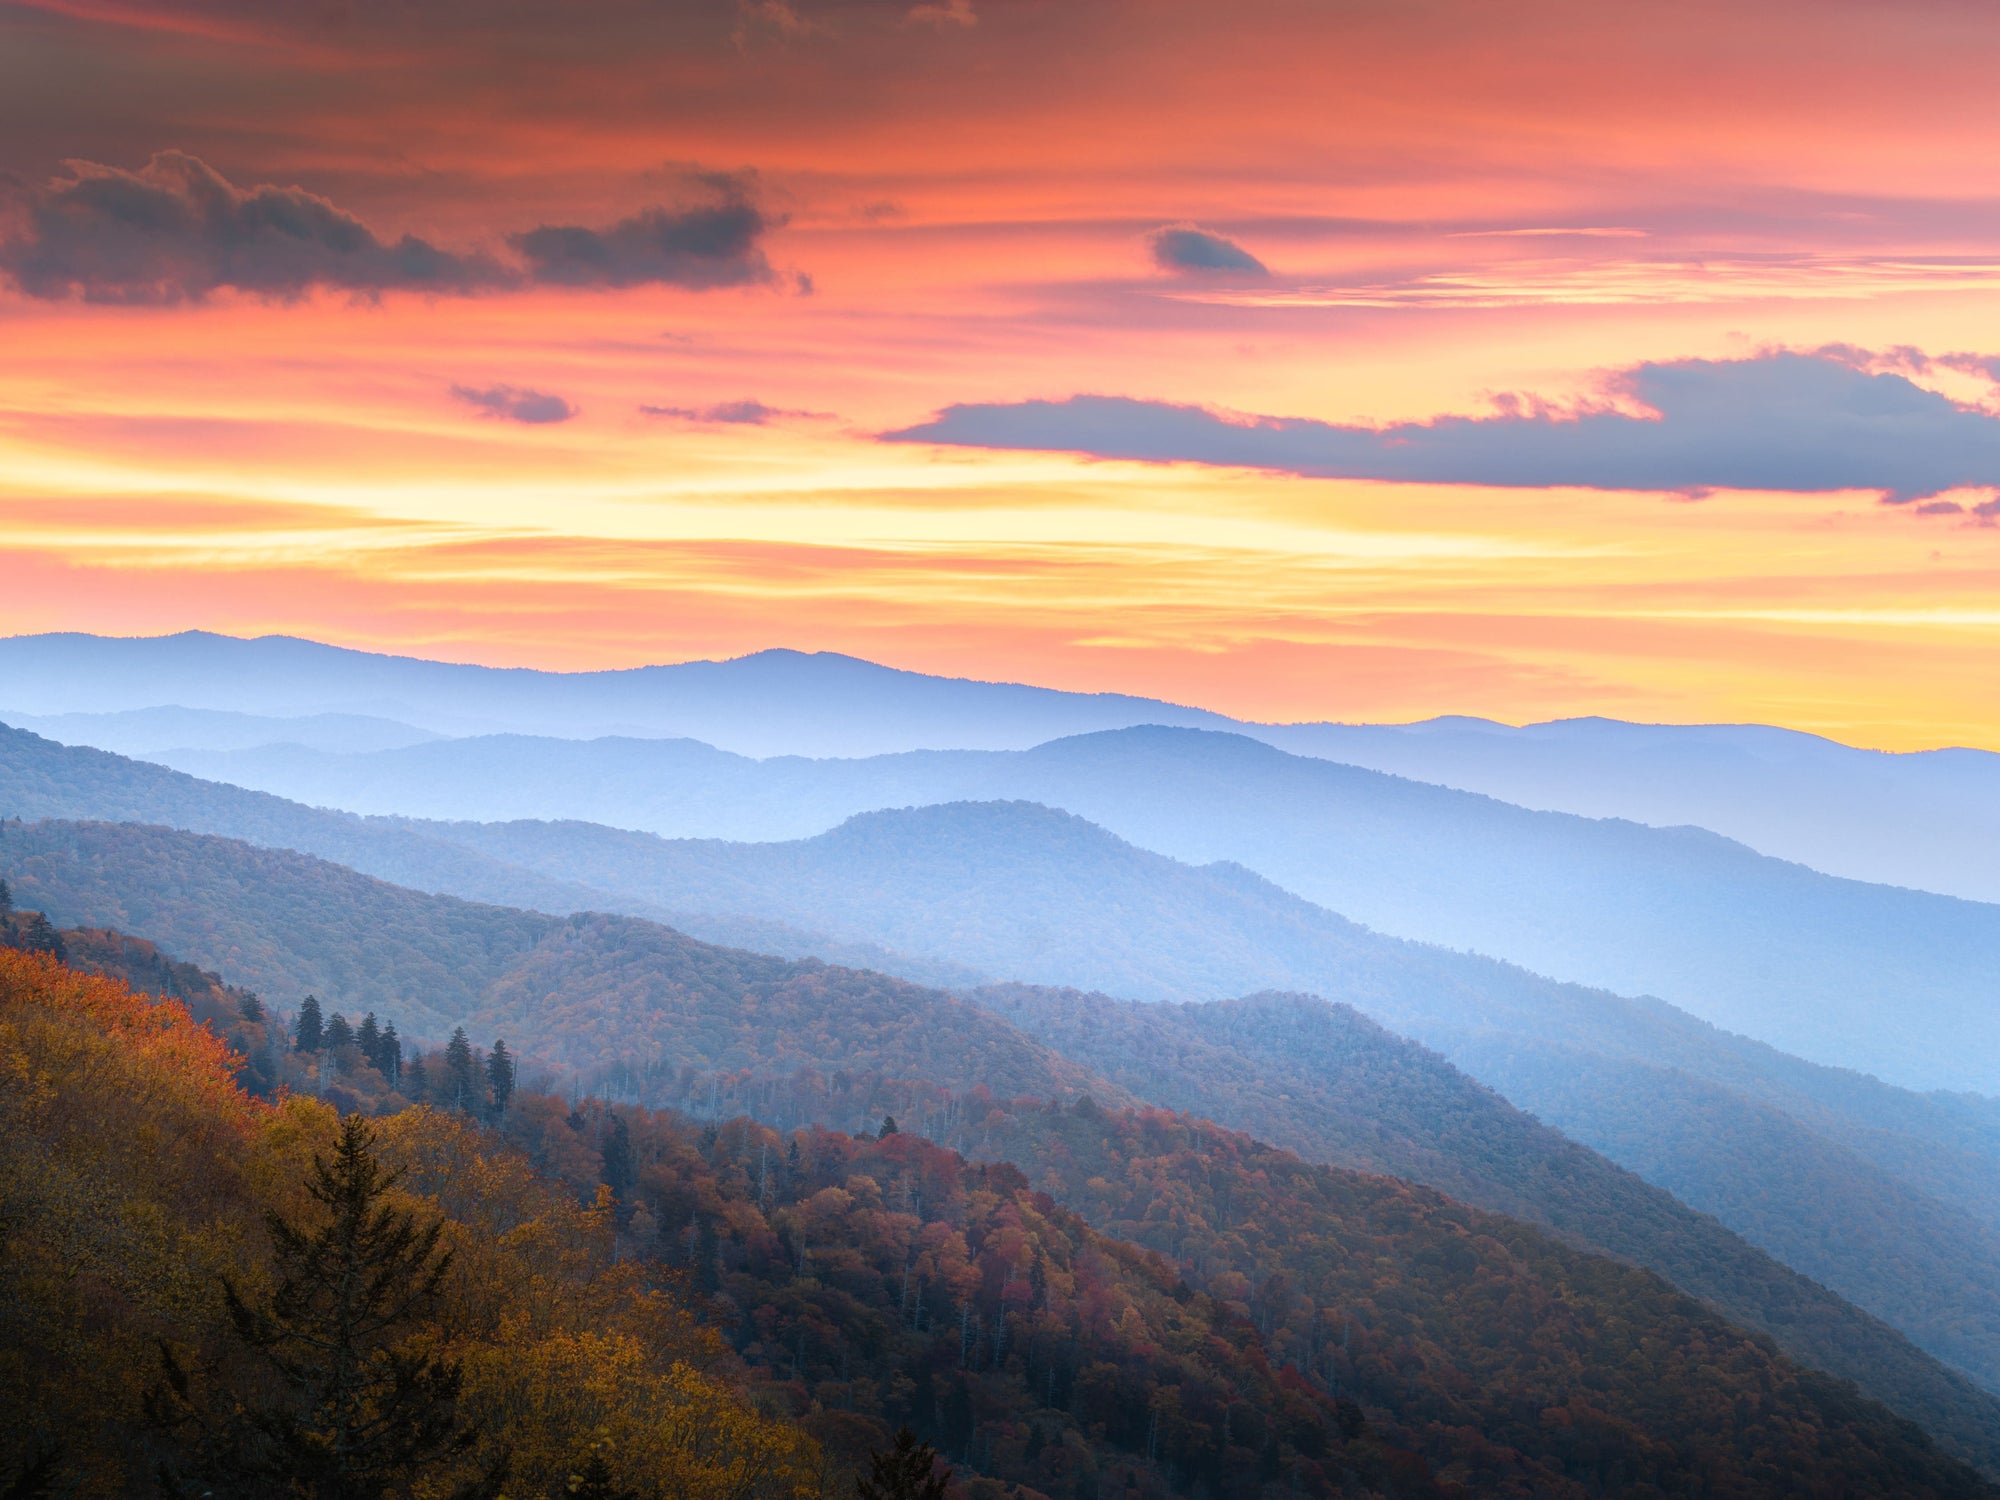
(1579, 282)
(744, 413)
(1804, 422)
(516, 403)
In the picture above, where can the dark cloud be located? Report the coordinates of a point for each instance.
(744, 413)
(1184, 248)
(709, 244)
(515, 403)
(1804, 422)
(176, 230)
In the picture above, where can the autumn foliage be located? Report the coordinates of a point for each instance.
(135, 1175)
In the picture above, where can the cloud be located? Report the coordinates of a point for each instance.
(1788, 421)
(177, 230)
(744, 413)
(516, 403)
(706, 245)
(1185, 249)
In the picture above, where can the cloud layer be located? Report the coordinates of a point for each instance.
(176, 230)
(1809, 423)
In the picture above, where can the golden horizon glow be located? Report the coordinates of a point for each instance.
(1451, 210)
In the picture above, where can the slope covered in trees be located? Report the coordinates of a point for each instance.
(892, 1278)
(1291, 1329)
(134, 1174)
(1883, 1195)
(644, 1013)
(1326, 1082)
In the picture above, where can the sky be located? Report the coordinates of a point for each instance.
(1301, 359)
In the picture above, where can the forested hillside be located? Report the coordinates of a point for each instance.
(1411, 1347)
(641, 1012)
(1852, 1182)
(135, 1177)
(1327, 1082)
(1507, 1361)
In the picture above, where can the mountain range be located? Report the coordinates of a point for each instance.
(1927, 819)
(1891, 980)
(623, 1005)
(1891, 1197)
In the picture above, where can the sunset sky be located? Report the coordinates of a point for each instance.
(1436, 356)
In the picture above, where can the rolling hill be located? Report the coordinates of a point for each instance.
(1929, 819)
(1887, 980)
(1885, 1196)
(769, 703)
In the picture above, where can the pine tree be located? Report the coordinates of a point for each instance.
(461, 1073)
(391, 1061)
(417, 1085)
(6, 900)
(359, 1413)
(500, 1076)
(338, 1033)
(41, 937)
(888, 1125)
(905, 1472)
(307, 1034)
(593, 1481)
(368, 1037)
(252, 1008)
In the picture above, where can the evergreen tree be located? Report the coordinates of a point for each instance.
(41, 937)
(904, 1472)
(359, 1413)
(461, 1073)
(593, 1481)
(888, 1125)
(338, 1033)
(500, 1076)
(391, 1061)
(368, 1037)
(306, 1034)
(6, 900)
(417, 1085)
(620, 1170)
(252, 1008)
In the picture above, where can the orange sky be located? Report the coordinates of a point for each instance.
(955, 213)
